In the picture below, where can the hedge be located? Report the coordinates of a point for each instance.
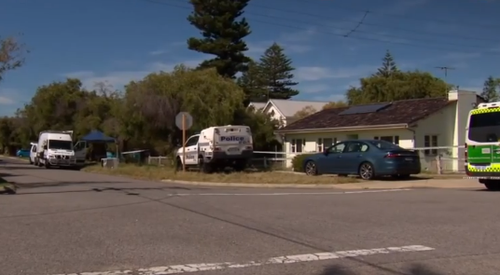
(298, 162)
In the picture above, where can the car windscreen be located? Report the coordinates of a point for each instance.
(60, 145)
(385, 145)
(485, 127)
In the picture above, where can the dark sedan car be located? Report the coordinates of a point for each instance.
(366, 158)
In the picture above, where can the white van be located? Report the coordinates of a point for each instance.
(33, 153)
(55, 148)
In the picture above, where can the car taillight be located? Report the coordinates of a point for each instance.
(391, 155)
(465, 151)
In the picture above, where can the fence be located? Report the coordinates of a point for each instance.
(439, 160)
(159, 160)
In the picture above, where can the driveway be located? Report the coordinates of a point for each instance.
(66, 222)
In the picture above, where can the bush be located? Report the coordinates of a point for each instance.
(298, 162)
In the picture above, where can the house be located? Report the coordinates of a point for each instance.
(283, 110)
(417, 123)
(257, 105)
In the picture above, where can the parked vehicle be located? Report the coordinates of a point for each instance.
(218, 147)
(33, 153)
(482, 149)
(366, 158)
(23, 153)
(55, 148)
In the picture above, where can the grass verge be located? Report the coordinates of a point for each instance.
(161, 173)
(6, 187)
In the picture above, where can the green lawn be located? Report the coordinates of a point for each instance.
(6, 187)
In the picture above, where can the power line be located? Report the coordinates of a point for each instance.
(429, 44)
(389, 27)
(403, 17)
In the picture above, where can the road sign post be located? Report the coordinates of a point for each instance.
(184, 121)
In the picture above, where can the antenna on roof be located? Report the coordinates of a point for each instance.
(445, 69)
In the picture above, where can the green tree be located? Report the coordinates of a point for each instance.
(11, 55)
(276, 69)
(6, 133)
(222, 33)
(253, 84)
(389, 67)
(151, 104)
(335, 104)
(490, 89)
(400, 86)
(305, 112)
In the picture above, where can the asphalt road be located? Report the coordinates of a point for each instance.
(64, 222)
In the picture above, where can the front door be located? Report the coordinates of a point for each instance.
(332, 162)
(192, 150)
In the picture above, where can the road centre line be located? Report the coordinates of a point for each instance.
(292, 193)
(291, 259)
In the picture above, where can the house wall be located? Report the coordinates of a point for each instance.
(440, 125)
(275, 114)
(310, 140)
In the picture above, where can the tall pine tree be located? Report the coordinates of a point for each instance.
(253, 84)
(388, 66)
(490, 89)
(276, 69)
(222, 33)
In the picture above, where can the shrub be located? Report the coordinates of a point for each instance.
(298, 162)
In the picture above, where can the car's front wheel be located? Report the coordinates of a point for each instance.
(310, 168)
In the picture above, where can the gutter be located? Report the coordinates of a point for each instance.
(348, 128)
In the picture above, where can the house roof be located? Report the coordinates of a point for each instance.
(257, 105)
(289, 108)
(397, 113)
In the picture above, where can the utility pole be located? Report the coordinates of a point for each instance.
(445, 69)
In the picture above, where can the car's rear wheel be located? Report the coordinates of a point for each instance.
(310, 168)
(366, 171)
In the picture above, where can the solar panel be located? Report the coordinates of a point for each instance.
(364, 109)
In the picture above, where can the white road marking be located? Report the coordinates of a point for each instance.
(291, 193)
(190, 268)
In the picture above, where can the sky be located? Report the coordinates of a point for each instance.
(332, 43)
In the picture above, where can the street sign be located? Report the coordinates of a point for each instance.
(184, 121)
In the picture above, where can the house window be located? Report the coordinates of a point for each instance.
(297, 145)
(354, 136)
(430, 141)
(324, 143)
(392, 139)
(272, 113)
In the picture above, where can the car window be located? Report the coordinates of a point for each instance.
(385, 145)
(337, 148)
(356, 147)
(192, 141)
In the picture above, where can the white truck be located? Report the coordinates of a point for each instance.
(55, 148)
(216, 148)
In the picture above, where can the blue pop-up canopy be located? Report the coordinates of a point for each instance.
(97, 136)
